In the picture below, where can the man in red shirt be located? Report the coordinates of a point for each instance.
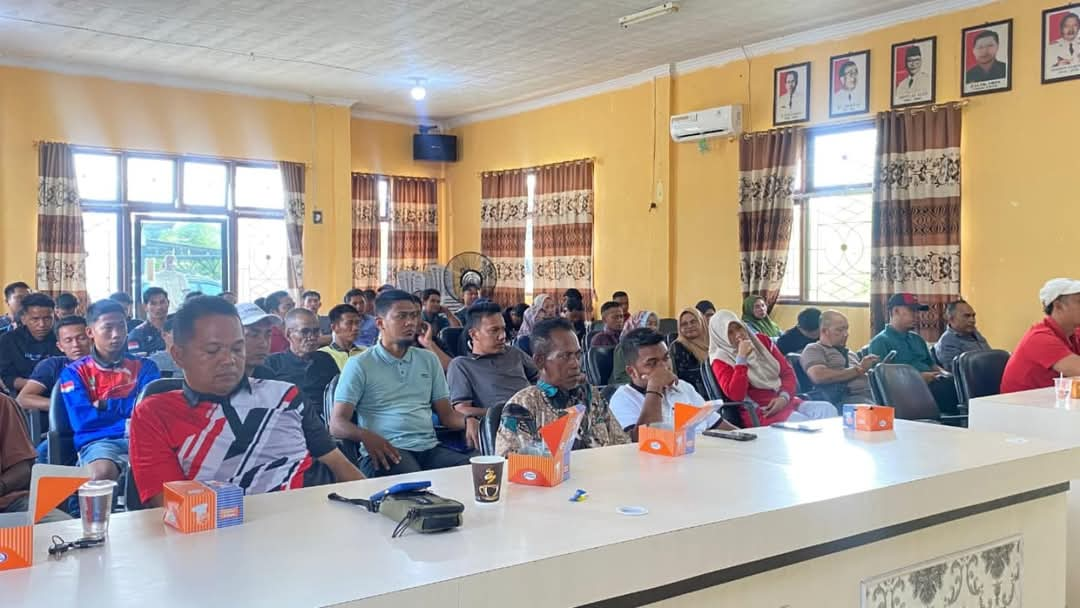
(1051, 348)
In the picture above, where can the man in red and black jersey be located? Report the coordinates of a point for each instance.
(258, 434)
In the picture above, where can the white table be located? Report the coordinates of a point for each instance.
(790, 519)
(1037, 414)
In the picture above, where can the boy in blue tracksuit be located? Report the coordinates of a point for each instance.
(99, 391)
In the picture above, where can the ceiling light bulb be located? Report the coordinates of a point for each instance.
(418, 91)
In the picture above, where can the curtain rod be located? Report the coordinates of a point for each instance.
(390, 176)
(591, 159)
(865, 118)
(195, 156)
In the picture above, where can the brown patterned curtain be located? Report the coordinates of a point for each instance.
(769, 165)
(292, 178)
(414, 231)
(563, 230)
(365, 230)
(61, 253)
(503, 210)
(916, 239)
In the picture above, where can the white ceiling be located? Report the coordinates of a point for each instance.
(475, 54)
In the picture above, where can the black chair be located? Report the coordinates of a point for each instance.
(524, 343)
(670, 338)
(132, 502)
(37, 424)
(668, 326)
(599, 362)
(589, 337)
(61, 437)
(805, 385)
(450, 340)
(903, 388)
(978, 374)
(730, 411)
(348, 447)
(489, 429)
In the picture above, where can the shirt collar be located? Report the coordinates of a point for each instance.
(385, 355)
(102, 363)
(476, 357)
(194, 398)
(1053, 325)
(334, 346)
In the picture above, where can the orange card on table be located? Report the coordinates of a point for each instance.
(197, 506)
(549, 470)
(675, 439)
(50, 485)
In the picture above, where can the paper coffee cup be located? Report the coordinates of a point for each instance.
(487, 472)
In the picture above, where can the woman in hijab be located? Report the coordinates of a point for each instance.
(748, 366)
(543, 308)
(643, 318)
(691, 349)
(756, 314)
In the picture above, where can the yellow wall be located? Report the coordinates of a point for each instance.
(36, 106)
(1018, 161)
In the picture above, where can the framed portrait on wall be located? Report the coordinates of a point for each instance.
(1061, 43)
(914, 66)
(987, 53)
(849, 84)
(791, 94)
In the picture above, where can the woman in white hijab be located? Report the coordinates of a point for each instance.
(749, 366)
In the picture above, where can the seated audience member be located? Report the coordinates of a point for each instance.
(612, 315)
(1051, 347)
(364, 304)
(17, 456)
(542, 309)
(806, 331)
(644, 318)
(73, 342)
(163, 358)
(13, 297)
(258, 434)
(911, 349)
(33, 341)
(312, 300)
(393, 388)
(837, 373)
(67, 305)
(492, 372)
(654, 388)
(755, 313)
(229, 297)
(706, 309)
(514, 317)
(279, 303)
(960, 336)
(125, 300)
(572, 293)
(258, 326)
(469, 295)
(147, 337)
(561, 385)
(191, 295)
(573, 310)
(434, 313)
(749, 366)
(344, 327)
(623, 300)
(691, 349)
(99, 391)
(302, 332)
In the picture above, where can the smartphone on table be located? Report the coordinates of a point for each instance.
(733, 435)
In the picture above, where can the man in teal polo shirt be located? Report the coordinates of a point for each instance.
(393, 388)
(912, 350)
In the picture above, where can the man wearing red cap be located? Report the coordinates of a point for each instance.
(912, 350)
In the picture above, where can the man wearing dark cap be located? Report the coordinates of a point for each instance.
(911, 349)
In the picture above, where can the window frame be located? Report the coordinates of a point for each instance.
(805, 192)
(127, 211)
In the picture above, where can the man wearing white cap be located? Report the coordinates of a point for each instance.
(1052, 346)
(258, 325)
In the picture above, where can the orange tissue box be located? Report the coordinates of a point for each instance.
(549, 471)
(862, 417)
(1075, 388)
(50, 485)
(197, 506)
(677, 439)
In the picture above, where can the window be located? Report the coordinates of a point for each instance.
(183, 223)
(384, 231)
(829, 254)
(530, 182)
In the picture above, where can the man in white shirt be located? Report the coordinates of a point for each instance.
(849, 98)
(916, 87)
(654, 389)
(1065, 51)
